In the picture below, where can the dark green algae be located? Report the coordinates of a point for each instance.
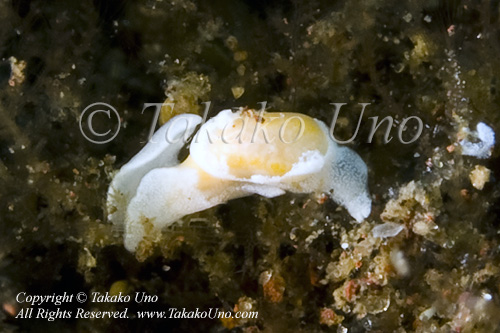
(301, 263)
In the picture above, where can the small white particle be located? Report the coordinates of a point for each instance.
(407, 18)
(387, 230)
(400, 263)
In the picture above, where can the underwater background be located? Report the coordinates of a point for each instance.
(302, 263)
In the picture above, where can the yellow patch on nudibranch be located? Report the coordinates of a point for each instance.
(259, 143)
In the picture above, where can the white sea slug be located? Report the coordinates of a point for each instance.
(234, 154)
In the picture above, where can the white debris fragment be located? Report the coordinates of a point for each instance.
(427, 314)
(487, 297)
(400, 263)
(483, 148)
(386, 230)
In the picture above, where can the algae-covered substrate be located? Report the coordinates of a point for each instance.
(427, 258)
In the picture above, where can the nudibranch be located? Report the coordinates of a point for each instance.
(232, 155)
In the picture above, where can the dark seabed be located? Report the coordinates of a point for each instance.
(300, 262)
